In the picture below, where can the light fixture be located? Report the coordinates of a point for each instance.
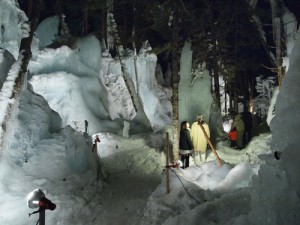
(34, 197)
(37, 199)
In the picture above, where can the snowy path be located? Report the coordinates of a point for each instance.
(134, 171)
(123, 199)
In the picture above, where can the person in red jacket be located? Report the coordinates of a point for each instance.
(232, 135)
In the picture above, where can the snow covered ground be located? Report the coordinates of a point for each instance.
(131, 189)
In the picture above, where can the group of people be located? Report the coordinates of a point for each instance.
(241, 130)
(193, 142)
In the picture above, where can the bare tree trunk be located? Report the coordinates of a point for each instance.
(117, 41)
(235, 98)
(231, 97)
(135, 98)
(124, 38)
(258, 25)
(214, 65)
(230, 104)
(175, 84)
(134, 51)
(33, 13)
(167, 164)
(85, 19)
(216, 82)
(62, 27)
(250, 91)
(245, 91)
(250, 107)
(103, 27)
(276, 6)
(225, 97)
(277, 24)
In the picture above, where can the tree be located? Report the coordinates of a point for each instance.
(230, 44)
(278, 36)
(172, 21)
(113, 36)
(33, 13)
(175, 82)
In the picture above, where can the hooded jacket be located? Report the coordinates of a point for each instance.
(238, 123)
(198, 138)
(185, 142)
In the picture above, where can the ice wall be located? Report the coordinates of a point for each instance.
(100, 87)
(286, 124)
(6, 61)
(195, 95)
(104, 88)
(290, 30)
(13, 26)
(275, 194)
(154, 99)
(47, 31)
(79, 156)
(32, 120)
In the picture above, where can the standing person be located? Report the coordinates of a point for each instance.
(199, 140)
(95, 141)
(232, 135)
(185, 144)
(248, 121)
(240, 128)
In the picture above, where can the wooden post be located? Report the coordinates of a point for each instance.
(86, 124)
(167, 164)
(97, 157)
(210, 144)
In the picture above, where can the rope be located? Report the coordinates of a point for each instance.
(189, 194)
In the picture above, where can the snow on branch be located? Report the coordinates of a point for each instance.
(265, 88)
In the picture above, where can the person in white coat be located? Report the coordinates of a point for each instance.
(240, 127)
(199, 139)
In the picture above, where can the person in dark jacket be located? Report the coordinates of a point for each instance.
(248, 121)
(185, 144)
